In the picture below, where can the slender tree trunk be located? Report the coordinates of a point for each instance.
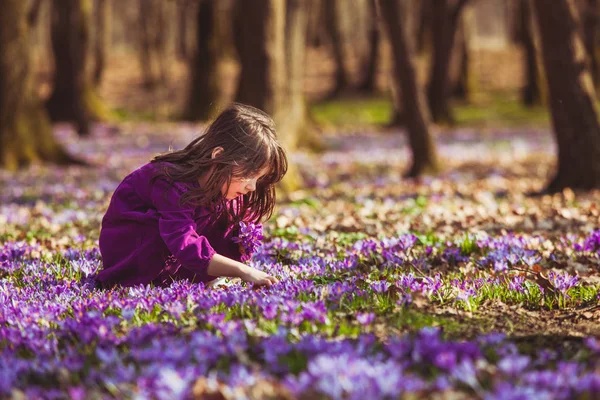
(369, 76)
(530, 93)
(73, 97)
(590, 34)
(102, 38)
(34, 12)
(461, 89)
(152, 42)
(424, 25)
(445, 15)
(332, 21)
(25, 131)
(316, 23)
(572, 98)
(183, 7)
(205, 92)
(145, 50)
(413, 99)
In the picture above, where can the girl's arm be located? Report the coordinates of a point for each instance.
(223, 266)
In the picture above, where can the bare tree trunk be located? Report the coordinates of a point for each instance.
(262, 54)
(530, 93)
(332, 21)
(34, 12)
(205, 92)
(25, 131)
(572, 99)
(73, 97)
(316, 23)
(460, 84)
(152, 33)
(369, 76)
(444, 23)
(590, 34)
(271, 76)
(102, 38)
(424, 22)
(145, 13)
(183, 8)
(413, 99)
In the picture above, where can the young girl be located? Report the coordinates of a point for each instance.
(178, 217)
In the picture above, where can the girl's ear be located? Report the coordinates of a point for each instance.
(216, 151)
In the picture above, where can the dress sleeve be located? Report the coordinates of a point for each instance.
(178, 229)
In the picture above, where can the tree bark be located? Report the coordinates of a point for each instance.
(102, 38)
(572, 98)
(332, 21)
(590, 34)
(369, 76)
(25, 131)
(460, 84)
(205, 92)
(445, 15)
(271, 43)
(413, 99)
(182, 28)
(530, 93)
(152, 34)
(73, 97)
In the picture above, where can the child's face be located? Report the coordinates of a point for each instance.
(240, 186)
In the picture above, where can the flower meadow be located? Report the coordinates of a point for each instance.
(458, 286)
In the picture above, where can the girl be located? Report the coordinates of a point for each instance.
(178, 217)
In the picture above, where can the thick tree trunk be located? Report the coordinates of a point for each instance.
(590, 34)
(572, 99)
(205, 93)
(102, 38)
(262, 54)
(332, 22)
(25, 131)
(73, 97)
(271, 76)
(413, 99)
(369, 76)
(445, 15)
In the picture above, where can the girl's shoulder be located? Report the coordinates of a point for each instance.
(150, 177)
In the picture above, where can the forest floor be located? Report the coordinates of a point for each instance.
(467, 285)
(462, 285)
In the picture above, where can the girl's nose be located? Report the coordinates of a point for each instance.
(251, 185)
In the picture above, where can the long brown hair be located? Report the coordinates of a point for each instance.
(247, 136)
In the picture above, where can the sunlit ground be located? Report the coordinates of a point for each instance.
(460, 284)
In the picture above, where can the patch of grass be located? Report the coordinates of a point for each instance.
(352, 112)
(413, 320)
(501, 111)
(498, 110)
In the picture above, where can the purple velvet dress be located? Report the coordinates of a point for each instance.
(147, 237)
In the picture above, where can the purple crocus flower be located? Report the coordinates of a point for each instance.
(365, 318)
(380, 286)
(249, 238)
(562, 282)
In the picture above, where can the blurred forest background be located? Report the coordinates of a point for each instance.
(315, 65)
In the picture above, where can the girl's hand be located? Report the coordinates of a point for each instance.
(258, 278)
